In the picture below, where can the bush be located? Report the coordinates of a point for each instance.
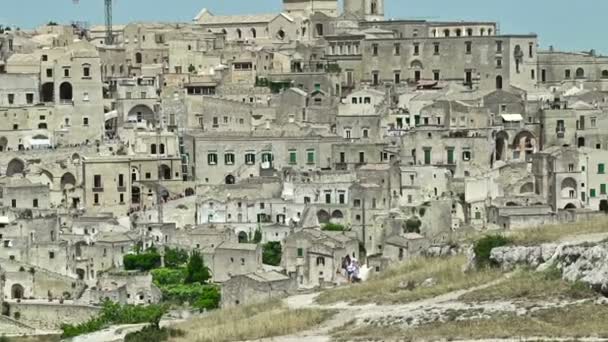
(142, 262)
(271, 254)
(202, 297)
(175, 257)
(153, 334)
(168, 276)
(114, 313)
(257, 236)
(333, 227)
(196, 271)
(484, 246)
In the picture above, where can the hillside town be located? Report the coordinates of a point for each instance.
(288, 151)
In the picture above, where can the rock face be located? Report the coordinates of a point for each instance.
(587, 263)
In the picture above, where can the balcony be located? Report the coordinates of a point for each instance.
(120, 189)
(341, 166)
(97, 189)
(561, 134)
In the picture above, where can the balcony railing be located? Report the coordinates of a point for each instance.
(97, 189)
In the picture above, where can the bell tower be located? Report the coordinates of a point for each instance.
(369, 10)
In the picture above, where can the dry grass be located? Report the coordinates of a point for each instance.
(576, 321)
(530, 285)
(250, 323)
(552, 233)
(387, 287)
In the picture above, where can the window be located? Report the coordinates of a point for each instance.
(397, 49)
(215, 122)
(498, 63)
(267, 157)
(468, 47)
(148, 175)
(347, 133)
(49, 72)
(14, 203)
(436, 49)
(567, 73)
(397, 77)
(342, 198)
(51, 255)
(300, 252)
(212, 158)
(45, 58)
(592, 193)
(375, 78)
(250, 158)
(365, 133)
(310, 156)
(375, 49)
(29, 98)
(602, 189)
(328, 197)
(450, 158)
(466, 155)
(531, 50)
(600, 169)
(499, 47)
(436, 75)
(96, 199)
(86, 71)
(121, 180)
(293, 157)
(357, 203)
(35, 203)
(229, 158)
(427, 156)
(153, 149)
(85, 121)
(532, 74)
(362, 157)
(416, 49)
(97, 181)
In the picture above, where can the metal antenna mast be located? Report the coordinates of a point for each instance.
(108, 14)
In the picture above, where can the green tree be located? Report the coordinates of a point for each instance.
(333, 227)
(271, 254)
(143, 261)
(196, 271)
(191, 69)
(175, 257)
(257, 236)
(483, 249)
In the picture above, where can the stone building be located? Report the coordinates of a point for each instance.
(256, 287)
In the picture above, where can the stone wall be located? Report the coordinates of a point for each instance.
(50, 316)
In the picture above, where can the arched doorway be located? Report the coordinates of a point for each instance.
(323, 216)
(501, 145)
(580, 73)
(243, 237)
(417, 68)
(527, 188)
(17, 291)
(337, 214)
(68, 179)
(570, 206)
(141, 113)
(14, 167)
(499, 82)
(189, 192)
(569, 188)
(80, 273)
(65, 92)
(165, 172)
(135, 195)
(230, 179)
(47, 92)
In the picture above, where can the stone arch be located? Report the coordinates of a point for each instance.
(580, 73)
(14, 167)
(142, 112)
(570, 206)
(68, 179)
(239, 33)
(254, 33)
(17, 291)
(165, 172)
(76, 158)
(323, 216)
(66, 92)
(527, 188)
(189, 192)
(243, 237)
(134, 174)
(446, 33)
(337, 214)
(604, 73)
(49, 176)
(47, 92)
(81, 273)
(568, 188)
(230, 180)
(416, 65)
(3, 144)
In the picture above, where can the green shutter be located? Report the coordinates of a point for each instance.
(311, 157)
(600, 168)
(603, 189)
(427, 157)
(293, 157)
(300, 252)
(450, 156)
(592, 193)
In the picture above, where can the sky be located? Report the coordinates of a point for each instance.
(565, 24)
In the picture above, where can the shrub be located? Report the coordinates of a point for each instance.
(153, 334)
(202, 297)
(196, 271)
(143, 262)
(167, 276)
(114, 313)
(333, 227)
(257, 236)
(175, 257)
(271, 254)
(484, 246)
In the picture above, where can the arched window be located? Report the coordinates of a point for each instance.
(239, 33)
(458, 32)
(446, 33)
(138, 58)
(498, 82)
(482, 32)
(580, 73)
(162, 148)
(604, 73)
(254, 33)
(469, 32)
(374, 7)
(153, 149)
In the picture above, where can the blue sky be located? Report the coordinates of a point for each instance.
(566, 24)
